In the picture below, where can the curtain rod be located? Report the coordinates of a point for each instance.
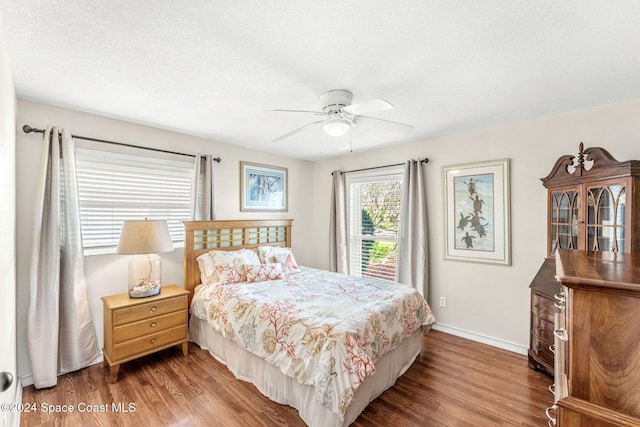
(425, 160)
(29, 129)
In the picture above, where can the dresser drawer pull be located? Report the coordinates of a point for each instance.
(552, 420)
(560, 297)
(153, 309)
(561, 333)
(153, 341)
(559, 305)
(552, 388)
(154, 324)
(552, 348)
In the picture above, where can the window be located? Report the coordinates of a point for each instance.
(373, 213)
(114, 187)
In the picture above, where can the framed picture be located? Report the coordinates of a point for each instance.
(263, 188)
(476, 212)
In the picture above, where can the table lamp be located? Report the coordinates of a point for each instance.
(143, 239)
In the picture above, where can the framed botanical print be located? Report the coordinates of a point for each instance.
(263, 188)
(476, 212)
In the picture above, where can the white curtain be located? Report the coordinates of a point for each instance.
(202, 198)
(338, 225)
(60, 331)
(413, 267)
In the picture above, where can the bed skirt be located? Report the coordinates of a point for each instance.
(272, 383)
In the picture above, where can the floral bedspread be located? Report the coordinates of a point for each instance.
(324, 329)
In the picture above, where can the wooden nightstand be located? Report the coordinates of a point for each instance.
(135, 327)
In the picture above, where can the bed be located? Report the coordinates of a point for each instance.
(323, 343)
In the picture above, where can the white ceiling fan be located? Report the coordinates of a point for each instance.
(338, 115)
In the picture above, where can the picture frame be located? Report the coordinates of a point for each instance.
(477, 212)
(263, 188)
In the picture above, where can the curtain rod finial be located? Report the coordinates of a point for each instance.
(27, 129)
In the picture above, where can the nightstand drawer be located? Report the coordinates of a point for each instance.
(149, 326)
(147, 310)
(150, 342)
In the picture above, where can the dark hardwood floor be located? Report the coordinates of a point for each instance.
(454, 382)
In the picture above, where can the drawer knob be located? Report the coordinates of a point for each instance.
(153, 341)
(552, 348)
(153, 309)
(154, 324)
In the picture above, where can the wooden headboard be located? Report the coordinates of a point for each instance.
(229, 235)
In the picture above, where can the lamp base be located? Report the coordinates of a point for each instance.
(143, 291)
(145, 275)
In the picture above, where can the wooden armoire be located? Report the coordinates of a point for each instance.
(593, 205)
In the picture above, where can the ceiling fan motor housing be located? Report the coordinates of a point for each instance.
(334, 100)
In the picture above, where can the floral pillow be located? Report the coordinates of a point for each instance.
(207, 263)
(284, 256)
(262, 272)
(230, 273)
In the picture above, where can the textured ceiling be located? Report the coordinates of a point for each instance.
(215, 68)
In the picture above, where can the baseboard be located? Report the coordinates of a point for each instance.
(26, 380)
(505, 345)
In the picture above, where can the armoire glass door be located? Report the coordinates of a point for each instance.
(606, 206)
(564, 220)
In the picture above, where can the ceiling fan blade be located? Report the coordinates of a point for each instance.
(368, 107)
(385, 124)
(299, 111)
(295, 131)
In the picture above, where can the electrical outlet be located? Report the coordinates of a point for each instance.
(443, 301)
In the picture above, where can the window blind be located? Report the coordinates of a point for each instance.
(115, 187)
(374, 202)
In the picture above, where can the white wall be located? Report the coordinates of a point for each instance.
(492, 301)
(484, 300)
(107, 274)
(7, 225)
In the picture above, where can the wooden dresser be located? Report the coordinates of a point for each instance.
(597, 380)
(135, 327)
(544, 287)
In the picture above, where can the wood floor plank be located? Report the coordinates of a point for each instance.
(453, 382)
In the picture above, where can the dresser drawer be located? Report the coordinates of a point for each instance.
(150, 343)
(148, 326)
(543, 308)
(542, 328)
(147, 310)
(542, 350)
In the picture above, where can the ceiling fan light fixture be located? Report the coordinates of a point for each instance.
(336, 127)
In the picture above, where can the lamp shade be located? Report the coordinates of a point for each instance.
(144, 237)
(336, 127)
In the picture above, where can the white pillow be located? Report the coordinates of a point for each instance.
(207, 268)
(284, 256)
